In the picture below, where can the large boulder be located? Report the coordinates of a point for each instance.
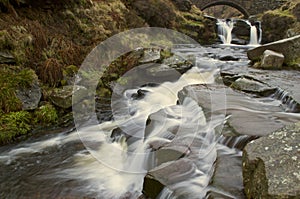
(271, 166)
(289, 47)
(272, 60)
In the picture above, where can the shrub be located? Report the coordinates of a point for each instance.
(45, 114)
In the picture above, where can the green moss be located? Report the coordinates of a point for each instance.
(166, 53)
(14, 124)
(45, 114)
(294, 64)
(12, 78)
(70, 70)
(280, 12)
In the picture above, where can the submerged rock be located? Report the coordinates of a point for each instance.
(271, 165)
(150, 55)
(228, 58)
(252, 86)
(272, 60)
(290, 48)
(170, 153)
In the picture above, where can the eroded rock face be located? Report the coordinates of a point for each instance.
(271, 165)
(290, 48)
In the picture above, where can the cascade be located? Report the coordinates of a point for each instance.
(224, 30)
(254, 39)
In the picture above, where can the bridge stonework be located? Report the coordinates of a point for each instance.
(247, 7)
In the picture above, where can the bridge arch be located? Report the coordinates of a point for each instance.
(227, 3)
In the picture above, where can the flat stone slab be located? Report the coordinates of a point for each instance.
(271, 165)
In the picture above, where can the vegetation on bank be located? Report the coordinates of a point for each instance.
(281, 23)
(45, 42)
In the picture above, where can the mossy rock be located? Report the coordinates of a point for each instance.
(275, 24)
(13, 78)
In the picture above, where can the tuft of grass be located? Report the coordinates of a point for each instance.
(14, 124)
(51, 72)
(45, 114)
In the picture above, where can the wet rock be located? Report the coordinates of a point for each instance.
(178, 63)
(156, 144)
(150, 55)
(228, 175)
(252, 86)
(167, 174)
(271, 165)
(140, 94)
(254, 119)
(228, 58)
(152, 187)
(30, 97)
(239, 41)
(290, 48)
(170, 153)
(173, 172)
(272, 60)
(7, 58)
(62, 97)
(241, 29)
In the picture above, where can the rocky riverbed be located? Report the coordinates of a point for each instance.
(249, 114)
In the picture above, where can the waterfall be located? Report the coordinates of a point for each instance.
(224, 30)
(259, 32)
(253, 35)
(254, 40)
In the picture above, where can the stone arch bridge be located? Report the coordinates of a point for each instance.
(247, 7)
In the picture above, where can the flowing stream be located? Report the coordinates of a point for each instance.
(190, 114)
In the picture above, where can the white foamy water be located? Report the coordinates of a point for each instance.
(128, 162)
(224, 30)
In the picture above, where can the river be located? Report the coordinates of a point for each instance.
(209, 125)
